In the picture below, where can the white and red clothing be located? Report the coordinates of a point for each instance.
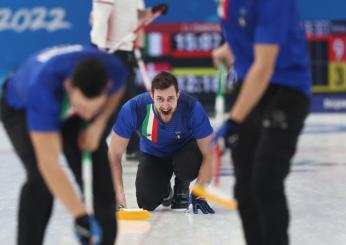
(112, 20)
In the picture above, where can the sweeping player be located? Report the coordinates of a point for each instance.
(268, 109)
(45, 104)
(175, 134)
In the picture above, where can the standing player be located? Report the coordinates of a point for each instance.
(111, 21)
(44, 107)
(268, 109)
(175, 136)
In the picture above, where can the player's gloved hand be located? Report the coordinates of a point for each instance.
(160, 7)
(200, 203)
(88, 230)
(228, 131)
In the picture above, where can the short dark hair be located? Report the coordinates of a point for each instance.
(164, 80)
(90, 76)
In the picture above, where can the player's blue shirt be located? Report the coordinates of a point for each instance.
(249, 22)
(37, 86)
(189, 121)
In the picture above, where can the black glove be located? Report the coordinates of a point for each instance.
(200, 203)
(88, 230)
(228, 131)
(163, 8)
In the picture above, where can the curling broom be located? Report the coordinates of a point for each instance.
(132, 214)
(219, 117)
(123, 214)
(214, 198)
(87, 181)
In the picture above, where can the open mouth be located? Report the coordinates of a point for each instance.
(166, 112)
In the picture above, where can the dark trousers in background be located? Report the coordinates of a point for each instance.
(261, 156)
(129, 59)
(154, 174)
(36, 201)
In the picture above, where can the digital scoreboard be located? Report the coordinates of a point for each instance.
(185, 50)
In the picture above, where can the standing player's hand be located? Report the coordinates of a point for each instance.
(200, 203)
(89, 138)
(88, 230)
(222, 54)
(121, 202)
(160, 7)
(228, 131)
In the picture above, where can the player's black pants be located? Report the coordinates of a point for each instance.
(129, 59)
(154, 174)
(267, 141)
(36, 201)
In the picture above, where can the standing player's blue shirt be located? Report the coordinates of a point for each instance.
(38, 85)
(159, 139)
(249, 22)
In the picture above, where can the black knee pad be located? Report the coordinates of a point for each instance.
(146, 203)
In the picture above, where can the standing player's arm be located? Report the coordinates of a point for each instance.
(47, 146)
(256, 81)
(116, 149)
(206, 170)
(92, 135)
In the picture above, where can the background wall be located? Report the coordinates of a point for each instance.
(27, 26)
(310, 9)
(320, 9)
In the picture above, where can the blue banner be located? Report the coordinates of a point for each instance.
(328, 103)
(28, 26)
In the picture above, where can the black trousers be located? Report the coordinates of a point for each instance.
(129, 59)
(154, 174)
(36, 201)
(261, 156)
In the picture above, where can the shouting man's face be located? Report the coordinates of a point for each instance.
(165, 102)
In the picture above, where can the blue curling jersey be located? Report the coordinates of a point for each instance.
(190, 121)
(249, 22)
(38, 85)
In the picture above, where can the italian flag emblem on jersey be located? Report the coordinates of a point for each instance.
(150, 124)
(222, 8)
